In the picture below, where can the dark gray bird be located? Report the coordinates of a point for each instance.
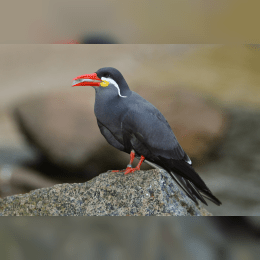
(133, 125)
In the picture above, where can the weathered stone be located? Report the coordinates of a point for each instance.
(143, 193)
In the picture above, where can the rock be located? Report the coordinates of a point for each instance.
(98, 38)
(143, 193)
(198, 124)
(64, 129)
(234, 175)
(18, 179)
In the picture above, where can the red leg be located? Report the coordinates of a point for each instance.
(140, 162)
(132, 156)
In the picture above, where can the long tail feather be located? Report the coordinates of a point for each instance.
(193, 191)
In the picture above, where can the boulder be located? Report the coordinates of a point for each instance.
(63, 128)
(143, 193)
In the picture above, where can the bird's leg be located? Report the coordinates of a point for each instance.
(129, 166)
(132, 156)
(137, 168)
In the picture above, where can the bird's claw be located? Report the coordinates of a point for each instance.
(130, 169)
(117, 170)
(127, 170)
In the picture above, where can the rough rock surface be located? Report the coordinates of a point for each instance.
(144, 193)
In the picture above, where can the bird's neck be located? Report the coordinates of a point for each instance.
(124, 89)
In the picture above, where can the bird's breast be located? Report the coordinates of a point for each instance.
(110, 114)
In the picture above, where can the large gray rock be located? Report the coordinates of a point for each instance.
(143, 193)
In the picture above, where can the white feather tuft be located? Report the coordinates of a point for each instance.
(115, 84)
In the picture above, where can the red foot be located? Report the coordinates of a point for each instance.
(125, 171)
(129, 169)
(137, 168)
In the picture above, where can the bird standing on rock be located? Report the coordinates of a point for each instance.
(133, 125)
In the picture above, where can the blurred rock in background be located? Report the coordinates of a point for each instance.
(235, 169)
(98, 38)
(15, 180)
(63, 128)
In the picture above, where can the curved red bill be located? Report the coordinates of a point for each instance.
(87, 80)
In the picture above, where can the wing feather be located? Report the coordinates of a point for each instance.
(152, 130)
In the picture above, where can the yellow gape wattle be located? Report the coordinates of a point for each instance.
(104, 83)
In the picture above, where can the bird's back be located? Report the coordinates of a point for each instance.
(146, 122)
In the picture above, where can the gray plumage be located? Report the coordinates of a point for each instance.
(129, 122)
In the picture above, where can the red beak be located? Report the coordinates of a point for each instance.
(87, 80)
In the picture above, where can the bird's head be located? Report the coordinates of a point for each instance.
(108, 77)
